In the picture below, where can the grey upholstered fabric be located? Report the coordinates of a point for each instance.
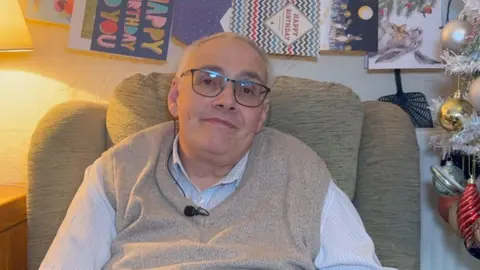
(387, 193)
(138, 102)
(326, 116)
(66, 140)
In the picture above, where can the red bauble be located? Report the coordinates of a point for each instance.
(468, 210)
(444, 203)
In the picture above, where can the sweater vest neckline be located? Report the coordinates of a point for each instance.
(172, 193)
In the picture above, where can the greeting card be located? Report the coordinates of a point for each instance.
(279, 27)
(408, 35)
(349, 25)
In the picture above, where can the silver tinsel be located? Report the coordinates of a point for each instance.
(460, 64)
(466, 141)
(472, 9)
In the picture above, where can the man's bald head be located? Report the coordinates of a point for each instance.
(214, 125)
(192, 48)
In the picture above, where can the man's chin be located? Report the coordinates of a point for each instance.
(216, 142)
(216, 149)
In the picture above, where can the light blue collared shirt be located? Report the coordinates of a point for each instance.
(213, 195)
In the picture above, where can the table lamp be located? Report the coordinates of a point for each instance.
(14, 35)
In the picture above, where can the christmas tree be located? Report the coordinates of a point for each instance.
(405, 7)
(459, 120)
(458, 114)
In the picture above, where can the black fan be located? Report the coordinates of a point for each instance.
(415, 104)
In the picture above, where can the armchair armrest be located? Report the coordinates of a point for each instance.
(387, 194)
(69, 138)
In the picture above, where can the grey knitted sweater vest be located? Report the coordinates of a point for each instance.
(271, 221)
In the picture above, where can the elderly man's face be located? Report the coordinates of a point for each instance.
(219, 125)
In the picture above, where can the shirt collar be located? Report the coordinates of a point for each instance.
(235, 174)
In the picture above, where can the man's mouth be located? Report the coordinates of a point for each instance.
(219, 121)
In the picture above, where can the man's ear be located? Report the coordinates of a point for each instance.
(263, 115)
(173, 95)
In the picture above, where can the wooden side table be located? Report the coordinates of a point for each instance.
(13, 227)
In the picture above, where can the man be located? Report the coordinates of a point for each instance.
(224, 193)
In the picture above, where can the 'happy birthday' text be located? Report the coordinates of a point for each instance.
(130, 28)
(291, 25)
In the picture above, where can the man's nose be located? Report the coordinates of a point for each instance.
(226, 98)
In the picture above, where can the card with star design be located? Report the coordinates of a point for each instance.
(349, 25)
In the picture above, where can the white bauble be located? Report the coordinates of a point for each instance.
(455, 33)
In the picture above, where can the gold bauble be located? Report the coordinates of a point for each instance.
(452, 113)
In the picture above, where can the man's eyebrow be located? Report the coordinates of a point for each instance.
(251, 75)
(212, 68)
(243, 75)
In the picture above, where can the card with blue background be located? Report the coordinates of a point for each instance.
(136, 28)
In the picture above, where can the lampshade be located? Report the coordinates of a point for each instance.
(14, 35)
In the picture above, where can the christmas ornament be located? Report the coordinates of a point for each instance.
(468, 210)
(448, 180)
(444, 203)
(476, 232)
(453, 112)
(452, 218)
(474, 93)
(455, 34)
(474, 250)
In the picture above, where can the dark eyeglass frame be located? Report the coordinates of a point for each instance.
(222, 87)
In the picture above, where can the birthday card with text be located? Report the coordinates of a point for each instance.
(136, 28)
(279, 27)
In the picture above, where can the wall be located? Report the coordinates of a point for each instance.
(32, 83)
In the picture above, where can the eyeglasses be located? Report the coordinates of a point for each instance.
(210, 84)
